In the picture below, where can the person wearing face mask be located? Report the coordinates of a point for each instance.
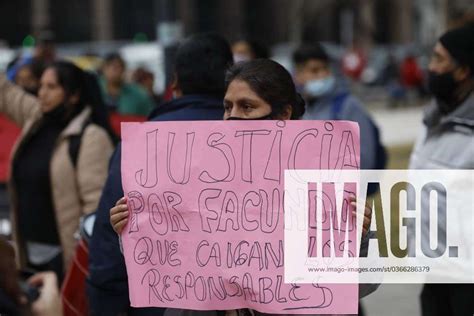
(329, 98)
(51, 187)
(447, 142)
(26, 73)
(260, 89)
(263, 89)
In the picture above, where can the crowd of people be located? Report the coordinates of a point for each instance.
(66, 163)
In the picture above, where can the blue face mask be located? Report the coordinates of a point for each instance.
(319, 87)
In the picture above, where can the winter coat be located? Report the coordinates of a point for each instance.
(76, 188)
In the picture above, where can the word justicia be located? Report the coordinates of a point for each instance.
(237, 156)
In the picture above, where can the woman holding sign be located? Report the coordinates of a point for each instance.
(256, 90)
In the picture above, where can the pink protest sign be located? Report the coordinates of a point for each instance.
(206, 219)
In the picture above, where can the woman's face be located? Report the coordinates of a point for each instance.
(50, 93)
(242, 102)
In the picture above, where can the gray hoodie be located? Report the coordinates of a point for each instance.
(446, 142)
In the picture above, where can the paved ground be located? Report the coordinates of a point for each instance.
(393, 300)
(398, 126)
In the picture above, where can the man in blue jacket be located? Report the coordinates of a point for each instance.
(329, 98)
(198, 90)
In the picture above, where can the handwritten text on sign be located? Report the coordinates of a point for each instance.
(206, 203)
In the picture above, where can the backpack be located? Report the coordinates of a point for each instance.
(380, 154)
(75, 144)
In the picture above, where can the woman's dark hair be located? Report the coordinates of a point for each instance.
(70, 78)
(271, 82)
(74, 80)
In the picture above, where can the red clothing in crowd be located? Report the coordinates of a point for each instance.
(411, 75)
(9, 132)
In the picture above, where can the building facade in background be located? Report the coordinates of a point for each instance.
(362, 22)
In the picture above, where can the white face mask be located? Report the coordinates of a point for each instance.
(319, 87)
(240, 57)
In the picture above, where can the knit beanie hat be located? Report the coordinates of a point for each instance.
(459, 43)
